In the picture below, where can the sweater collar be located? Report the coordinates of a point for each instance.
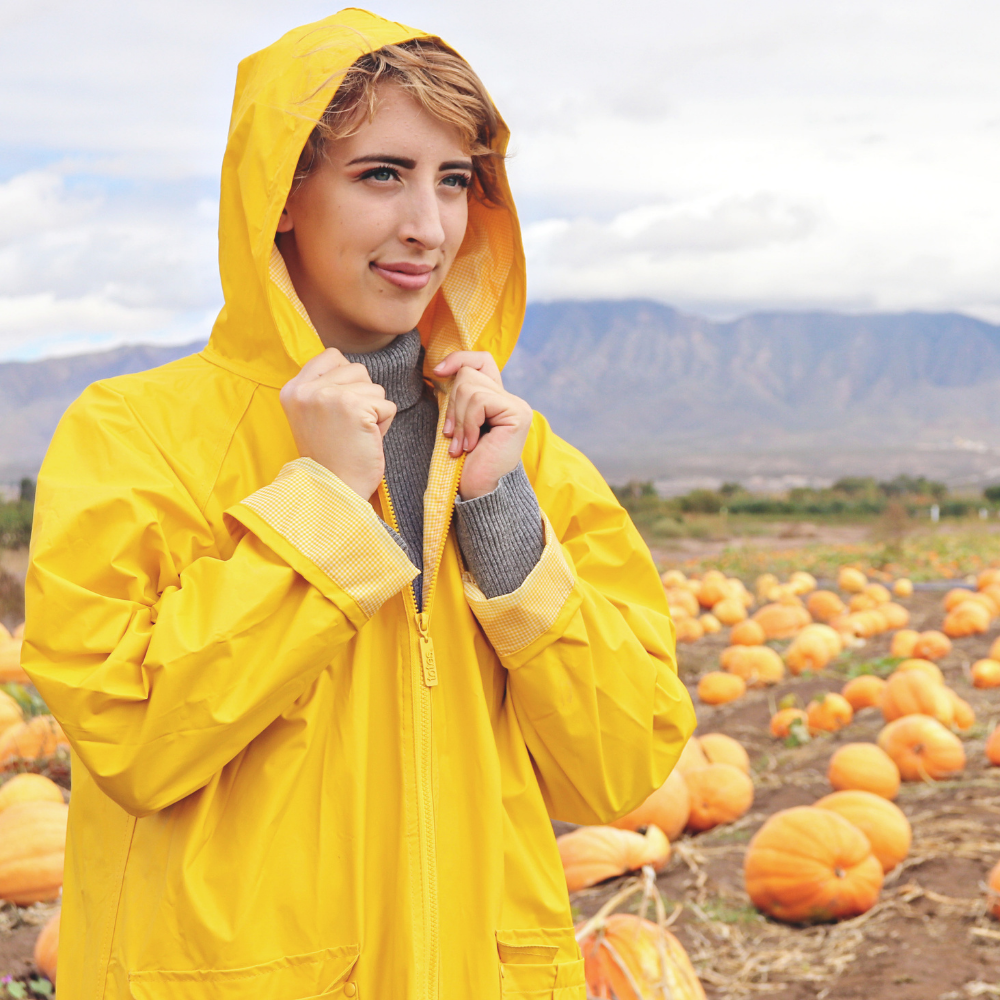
(397, 368)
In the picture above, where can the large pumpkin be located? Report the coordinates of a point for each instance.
(593, 853)
(903, 642)
(806, 864)
(851, 580)
(709, 623)
(714, 588)
(691, 756)
(882, 822)
(911, 692)
(828, 713)
(781, 621)
(729, 610)
(808, 651)
(969, 618)
(757, 665)
(922, 748)
(986, 673)
(833, 639)
(47, 948)
(38, 737)
(864, 691)
(29, 788)
(786, 719)
(32, 851)
(716, 687)
(668, 808)
(720, 793)
(747, 633)
(895, 615)
(680, 597)
(864, 767)
(825, 605)
(932, 670)
(634, 959)
(10, 712)
(963, 714)
(722, 749)
(932, 645)
(688, 629)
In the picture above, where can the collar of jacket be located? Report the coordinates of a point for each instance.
(281, 91)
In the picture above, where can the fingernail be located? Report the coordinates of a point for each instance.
(439, 366)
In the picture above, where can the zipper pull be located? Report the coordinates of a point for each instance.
(427, 663)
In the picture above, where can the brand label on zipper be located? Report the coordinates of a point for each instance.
(427, 661)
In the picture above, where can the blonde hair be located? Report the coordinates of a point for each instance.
(440, 80)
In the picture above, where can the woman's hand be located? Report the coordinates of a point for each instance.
(338, 417)
(478, 398)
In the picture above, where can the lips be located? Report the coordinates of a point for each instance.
(404, 274)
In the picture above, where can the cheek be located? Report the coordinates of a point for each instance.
(454, 221)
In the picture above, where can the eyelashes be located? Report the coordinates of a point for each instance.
(386, 173)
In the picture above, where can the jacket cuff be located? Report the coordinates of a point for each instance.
(500, 534)
(514, 621)
(315, 514)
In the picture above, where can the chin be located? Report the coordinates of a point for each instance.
(395, 320)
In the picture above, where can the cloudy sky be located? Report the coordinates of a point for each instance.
(721, 156)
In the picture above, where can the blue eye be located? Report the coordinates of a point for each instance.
(381, 174)
(457, 180)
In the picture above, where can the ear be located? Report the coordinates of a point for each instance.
(285, 224)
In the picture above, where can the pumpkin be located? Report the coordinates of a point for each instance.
(722, 749)
(720, 793)
(930, 670)
(763, 584)
(922, 748)
(806, 864)
(802, 582)
(29, 788)
(851, 580)
(956, 596)
(878, 593)
(747, 633)
(833, 639)
(47, 948)
(828, 713)
(825, 605)
(863, 602)
(713, 588)
(668, 808)
(863, 692)
(969, 618)
(729, 610)
(10, 712)
(993, 881)
(895, 614)
(911, 692)
(717, 687)
(882, 822)
(903, 642)
(987, 578)
(963, 714)
(781, 621)
(993, 747)
(986, 673)
(903, 587)
(38, 737)
(989, 599)
(863, 624)
(678, 597)
(673, 578)
(10, 663)
(32, 851)
(592, 854)
(757, 665)
(692, 756)
(688, 629)
(629, 958)
(710, 624)
(932, 645)
(864, 767)
(785, 719)
(807, 652)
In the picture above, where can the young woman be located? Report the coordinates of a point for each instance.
(333, 622)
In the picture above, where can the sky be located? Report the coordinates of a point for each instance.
(723, 156)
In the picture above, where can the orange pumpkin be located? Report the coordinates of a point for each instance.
(668, 808)
(679, 597)
(825, 605)
(828, 713)
(673, 578)
(993, 747)
(864, 767)
(969, 618)
(932, 645)
(922, 748)
(986, 673)
(903, 587)
(747, 633)
(720, 793)
(629, 958)
(729, 610)
(862, 602)
(781, 621)
(38, 737)
(29, 788)
(806, 864)
(802, 582)
(716, 687)
(863, 692)
(895, 615)
(963, 714)
(994, 653)
(833, 639)
(692, 756)
(10, 712)
(714, 588)
(851, 580)
(911, 692)
(882, 822)
(757, 665)
(785, 720)
(47, 948)
(32, 851)
(764, 584)
(722, 749)
(807, 652)
(688, 629)
(903, 642)
(710, 624)
(864, 624)
(592, 854)
(955, 597)
(932, 670)
(993, 881)
(10, 663)
(878, 593)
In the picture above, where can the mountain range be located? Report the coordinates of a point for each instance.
(652, 392)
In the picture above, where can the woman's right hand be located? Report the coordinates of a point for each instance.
(338, 418)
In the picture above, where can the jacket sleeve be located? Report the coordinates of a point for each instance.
(162, 645)
(589, 646)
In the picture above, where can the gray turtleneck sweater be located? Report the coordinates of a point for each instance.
(500, 534)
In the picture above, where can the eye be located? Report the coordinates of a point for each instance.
(380, 174)
(457, 180)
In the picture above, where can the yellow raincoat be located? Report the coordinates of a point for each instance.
(287, 783)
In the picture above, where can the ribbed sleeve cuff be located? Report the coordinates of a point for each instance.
(323, 519)
(501, 534)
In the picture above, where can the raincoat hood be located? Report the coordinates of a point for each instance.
(281, 92)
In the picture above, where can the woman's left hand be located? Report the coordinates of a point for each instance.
(477, 398)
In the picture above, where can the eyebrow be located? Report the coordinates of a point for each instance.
(407, 164)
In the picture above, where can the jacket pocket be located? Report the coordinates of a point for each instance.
(540, 964)
(325, 973)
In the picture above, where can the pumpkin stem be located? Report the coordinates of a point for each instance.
(839, 872)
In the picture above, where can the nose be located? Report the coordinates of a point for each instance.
(421, 224)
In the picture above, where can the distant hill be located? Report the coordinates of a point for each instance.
(647, 390)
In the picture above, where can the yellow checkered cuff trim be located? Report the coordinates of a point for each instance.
(515, 620)
(333, 527)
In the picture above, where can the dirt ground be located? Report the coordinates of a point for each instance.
(929, 937)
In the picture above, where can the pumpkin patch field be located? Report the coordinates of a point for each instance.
(842, 794)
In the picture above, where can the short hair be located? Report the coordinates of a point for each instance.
(440, 80)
